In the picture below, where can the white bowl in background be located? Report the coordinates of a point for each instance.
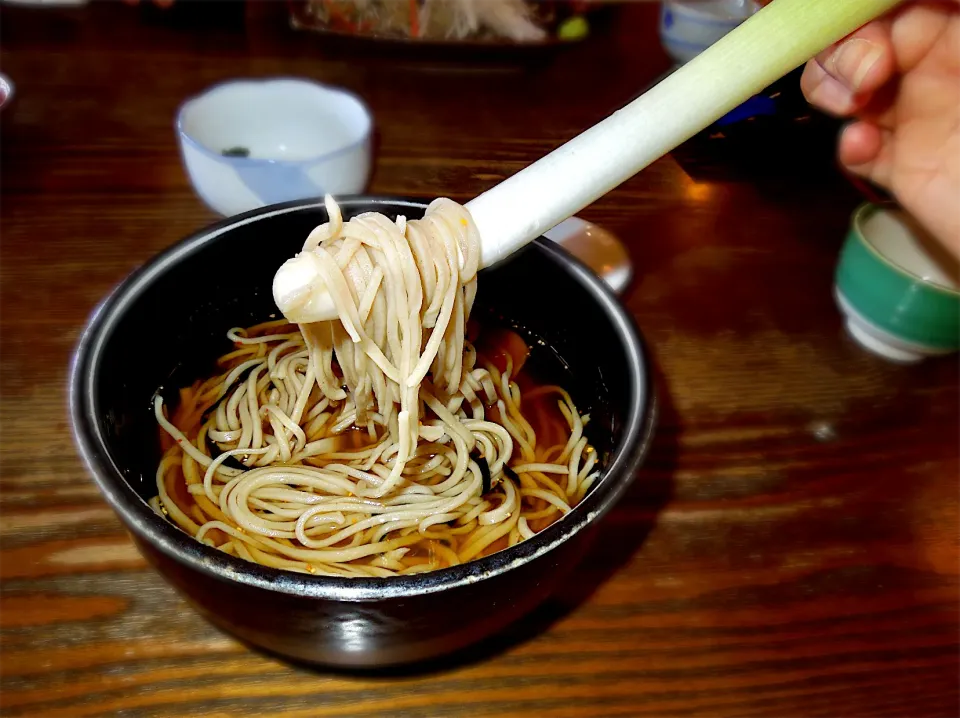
(250, 143)
(688, 27)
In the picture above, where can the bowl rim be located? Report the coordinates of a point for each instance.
(857, 221)
(184, 549)
(206, 150)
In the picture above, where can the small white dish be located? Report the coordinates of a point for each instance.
(688, 27)
(597, 248)
(250, 143)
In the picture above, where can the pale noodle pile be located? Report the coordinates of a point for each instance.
(376, 444)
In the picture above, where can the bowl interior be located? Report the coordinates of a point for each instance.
(909, 248)
(289, 120)
(167, 323)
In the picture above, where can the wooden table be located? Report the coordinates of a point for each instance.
(803, 495)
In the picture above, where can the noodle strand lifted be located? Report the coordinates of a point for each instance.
(380, 443)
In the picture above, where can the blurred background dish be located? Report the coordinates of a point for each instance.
(688, 27)
(449, 22)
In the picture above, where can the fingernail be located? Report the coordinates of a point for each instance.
(854, 60)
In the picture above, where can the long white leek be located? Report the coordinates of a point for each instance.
(767, 46)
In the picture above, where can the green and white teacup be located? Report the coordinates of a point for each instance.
(898, 289)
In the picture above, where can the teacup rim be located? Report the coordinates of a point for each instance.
(859, 216)
(264, 161)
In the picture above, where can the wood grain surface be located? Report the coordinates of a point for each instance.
(789, 549)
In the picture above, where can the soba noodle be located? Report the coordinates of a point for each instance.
(380, 443)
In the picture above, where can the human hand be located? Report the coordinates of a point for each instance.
(898, 78)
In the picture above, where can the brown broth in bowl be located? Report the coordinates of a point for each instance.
(498, 348)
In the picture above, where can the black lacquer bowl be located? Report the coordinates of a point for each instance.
(166, 323)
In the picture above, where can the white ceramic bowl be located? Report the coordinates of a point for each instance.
(250, 143)
(688, 27)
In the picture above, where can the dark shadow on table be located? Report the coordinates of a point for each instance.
(617, 539)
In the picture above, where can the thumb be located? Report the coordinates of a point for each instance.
(861, 62)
